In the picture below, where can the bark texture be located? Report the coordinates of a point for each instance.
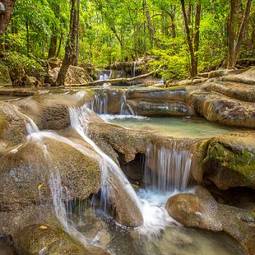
(6, 16)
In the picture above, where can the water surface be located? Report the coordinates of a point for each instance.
(172, 126)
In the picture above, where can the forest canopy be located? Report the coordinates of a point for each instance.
(181, 37)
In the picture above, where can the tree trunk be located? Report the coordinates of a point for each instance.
(149, 23)
(53, 46)
(77, 48)
(231, 33)
(70, 49)
(197, 33)
(5, 18)
(55, 31)
(235, 41)
(193, 70)
(59, 44)
(27, 36)
(242, 29)
(173, 26)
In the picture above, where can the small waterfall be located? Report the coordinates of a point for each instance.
(105, 75)
(79, 119)
(58, 192)
(134, 69)
(167, 169)
(125, 108)
(99, 103)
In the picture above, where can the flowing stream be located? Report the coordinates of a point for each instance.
(167, 171)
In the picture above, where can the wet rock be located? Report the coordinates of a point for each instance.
(246, 77)
(159, 102)
(200, 210)
(12, 124)
(126, 209)
(51, 112)
(228, 161)
(45, 239)
(7, 246)
(145, 108)
(224, 110)
(25, 173)
(233, 90)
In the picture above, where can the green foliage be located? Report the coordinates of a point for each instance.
(15, 60)
(113, 30)
(171, 59)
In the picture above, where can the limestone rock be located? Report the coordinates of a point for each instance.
(75, 75)
(200, 210)
(228, 161)
(38, 239)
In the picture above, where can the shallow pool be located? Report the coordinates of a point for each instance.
(172, 126)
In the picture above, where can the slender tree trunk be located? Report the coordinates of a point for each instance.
(59, 44)
(231, 33)
(55, 31)
(149, 23)
(53, 46)
(235, 41)
(27, 36)
(70, 50)
(197, 33)
(242, 29)
(77, 48)
(193, 70)
(173, 26)
(5, 17)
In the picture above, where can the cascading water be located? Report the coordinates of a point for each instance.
(99, 103)
(167, 169)
(55, 184)
(125, 108)
(79, 119)
(155, 217)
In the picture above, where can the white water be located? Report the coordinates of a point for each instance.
(167, 169)
(100, 103)
(109, 117)
(155, 217)
(55, 184)
(125, 108)
(79, 120)
(150, 202)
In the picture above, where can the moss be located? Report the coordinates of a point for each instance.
(242, 162)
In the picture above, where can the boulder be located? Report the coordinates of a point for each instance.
(238, 91)
(45, 239)
(29, 174)
(75, 75)
(227, 161)
(12, 124)
(224, 110)
(200, 210)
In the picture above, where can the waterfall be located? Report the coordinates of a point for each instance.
(55, 183)
(167, 169)
(125, 108)
(79, 119)
(99, 103)
(134, 69)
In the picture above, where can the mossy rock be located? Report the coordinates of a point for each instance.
(229, 161)
(45, 239)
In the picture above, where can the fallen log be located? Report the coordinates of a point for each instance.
(114, 81)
